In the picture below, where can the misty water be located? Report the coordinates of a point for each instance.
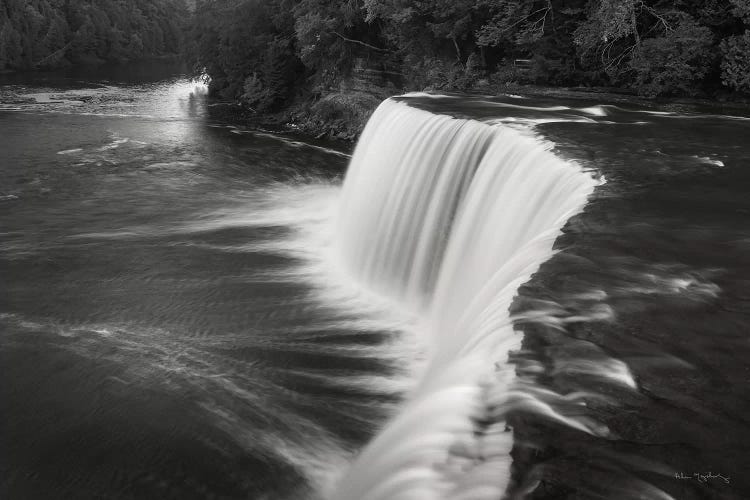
(192, 308)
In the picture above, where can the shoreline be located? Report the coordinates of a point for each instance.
(92, 63)
(351, 109)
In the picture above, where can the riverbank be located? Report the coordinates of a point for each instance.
(342, 115)
(93, 63)
(339, 116)
(140, 224)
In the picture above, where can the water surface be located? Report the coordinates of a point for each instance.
(176, 322)
(173, 324)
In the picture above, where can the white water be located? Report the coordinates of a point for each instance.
(448, 218)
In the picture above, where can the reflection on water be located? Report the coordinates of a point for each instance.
(175, 324)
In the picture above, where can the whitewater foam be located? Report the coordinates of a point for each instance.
(450, 217)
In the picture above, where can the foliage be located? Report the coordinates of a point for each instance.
(741, 9)
(52, 33)
(609, 34)
(248, 49)
(515, 21)
(330, 34)
(267, 52)
(675, 62)
(735, 67)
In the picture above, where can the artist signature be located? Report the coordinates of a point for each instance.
(703, 477)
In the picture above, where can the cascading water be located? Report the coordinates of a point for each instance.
(450, 217)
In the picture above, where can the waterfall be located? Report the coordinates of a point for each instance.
(448, 217)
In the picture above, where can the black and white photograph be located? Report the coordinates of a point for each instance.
(374, 249)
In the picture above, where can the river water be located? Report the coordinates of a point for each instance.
(170, 324)
(177, 322)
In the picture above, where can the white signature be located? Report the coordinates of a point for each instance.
(702, 477)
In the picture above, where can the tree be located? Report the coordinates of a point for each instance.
(11, 50)
(610, 34)
(675, 62)
(49, 33)
(331, 34)
(735, 65)
(653, 47)
(248, 49)
(252, 49)
(516, 21)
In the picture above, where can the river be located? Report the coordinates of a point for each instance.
(178, 320)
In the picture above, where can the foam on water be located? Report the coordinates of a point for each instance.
(238, 395)
(228, 388)
(709, 161)
(450, 217)
(526, 122)
(165, 100)
(595, 110)
(525, 108)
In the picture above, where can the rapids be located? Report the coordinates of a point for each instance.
(449, 216)
(194, 308)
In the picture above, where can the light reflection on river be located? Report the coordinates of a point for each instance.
(173, 326)
(173, 323)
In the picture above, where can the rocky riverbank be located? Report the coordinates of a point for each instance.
(342, 114)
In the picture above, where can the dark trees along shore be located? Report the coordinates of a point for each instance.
(48, 34)
(265, 51)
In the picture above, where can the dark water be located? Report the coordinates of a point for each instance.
(664, 245)
(170, 327)
(651, 284)
(174, 324)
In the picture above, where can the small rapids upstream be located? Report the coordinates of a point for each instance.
(465, 310)
(448, 217)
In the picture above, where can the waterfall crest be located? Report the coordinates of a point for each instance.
(449, 217)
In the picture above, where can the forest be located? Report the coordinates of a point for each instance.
(267, 53)
(49, 34)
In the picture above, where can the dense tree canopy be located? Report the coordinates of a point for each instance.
(263, 51)
(52, 33)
